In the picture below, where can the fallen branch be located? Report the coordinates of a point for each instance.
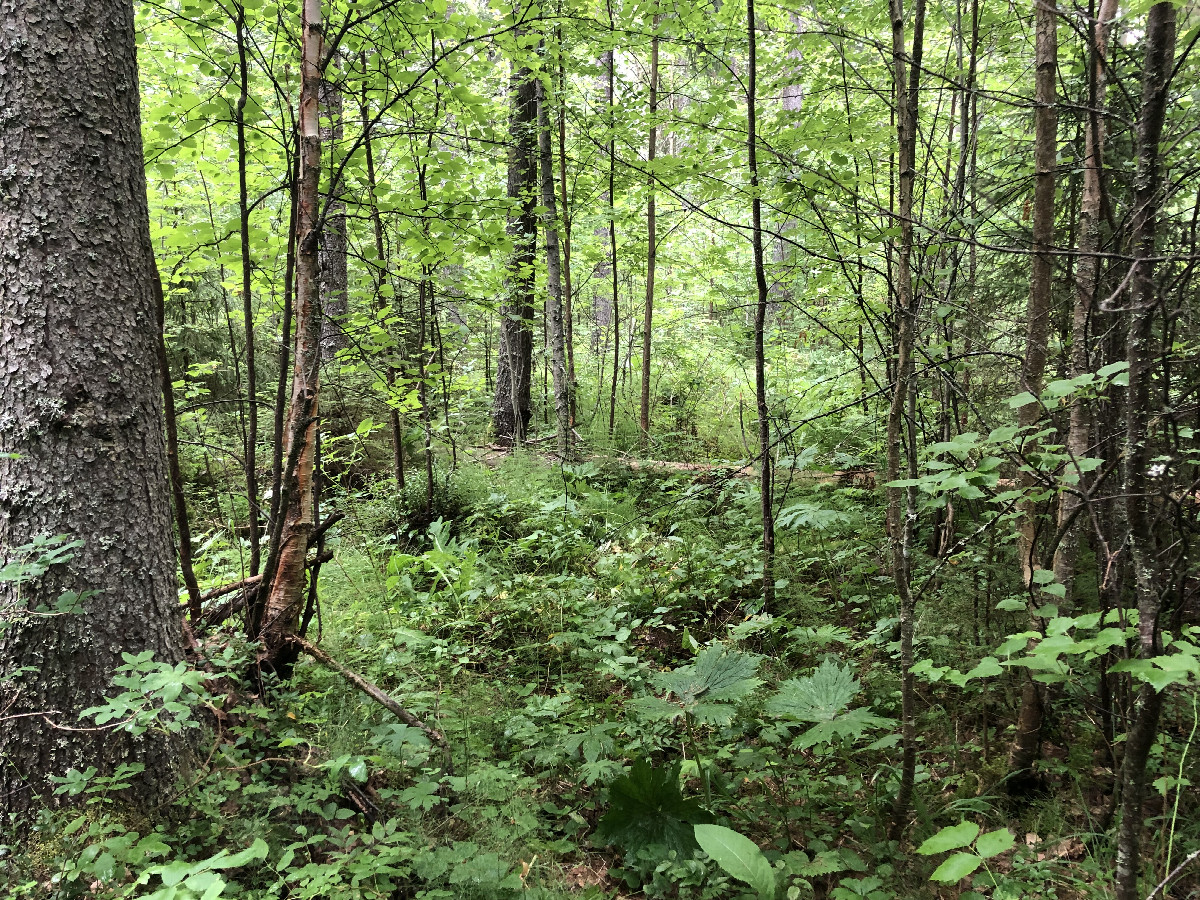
(230, 588)
(246, 586)
(371, 690)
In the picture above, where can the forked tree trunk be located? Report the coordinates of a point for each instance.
(81, 411)
(1028, 739)
(1143, 550)
(276, 618)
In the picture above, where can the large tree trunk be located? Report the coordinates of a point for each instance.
(554, 290)
(1143, 550)
(514, 363)
(276, 616)
(1028, 739)
(81, 443)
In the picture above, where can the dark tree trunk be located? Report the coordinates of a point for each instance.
(1087, 272)
(568, 295)
(249, 460)
(1143, 550)
(514, 363)
(610, 93)
(760, 322)
(178, 498)
(901, 502)
(81, 441)
(381, 302)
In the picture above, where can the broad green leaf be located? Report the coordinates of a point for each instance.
(950, 838)
(717, 675)
(994, 843)
(739, 856)
(646, 807)
(818, 697)
(957, 867)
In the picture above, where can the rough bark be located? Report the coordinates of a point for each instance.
(1143, 550)
(514, 363)
(276, 620)
(554, 290)
(81, 443)
(1028, 739)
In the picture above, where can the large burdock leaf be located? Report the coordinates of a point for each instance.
(646, 807)
(822, 699)
(717, 675)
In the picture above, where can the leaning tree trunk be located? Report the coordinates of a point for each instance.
(1160, 52)
(276, 616)
(82, 460)
(514, 363)
(1028, 738)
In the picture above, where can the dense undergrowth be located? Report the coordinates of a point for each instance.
(591, 643)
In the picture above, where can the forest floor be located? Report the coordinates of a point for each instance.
(592, 644)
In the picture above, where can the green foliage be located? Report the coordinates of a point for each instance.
(646, 808)
(822, 699)
(959, 865)
(739, 856)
